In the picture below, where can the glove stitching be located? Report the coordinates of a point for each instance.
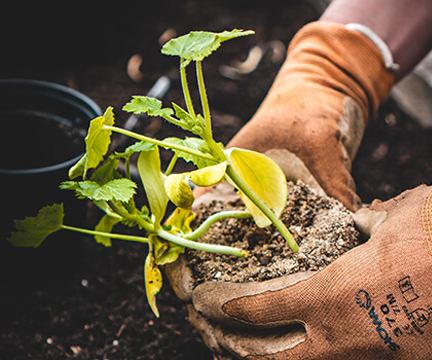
(427, 220)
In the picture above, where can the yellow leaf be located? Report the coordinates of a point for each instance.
(178, 190)
(264, 177)
(209, 175)
(153, 181)
(177, 185)
(180, 220)
(153, 282)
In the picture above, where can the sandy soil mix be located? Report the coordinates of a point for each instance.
(323, 228)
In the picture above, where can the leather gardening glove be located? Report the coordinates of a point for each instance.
(332, 81)
(374, 302)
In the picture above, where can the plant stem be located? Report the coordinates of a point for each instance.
(171, 164)
(235, 177)
(220, 249)
(204, 99)
(185, 89)
(139, 239)
(208, 135)
(148, 227)
(127, 166)
(159, 142)
(233, 214)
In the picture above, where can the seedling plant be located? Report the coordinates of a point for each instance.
(259, 182)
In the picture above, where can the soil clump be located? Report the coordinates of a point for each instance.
(323, 228)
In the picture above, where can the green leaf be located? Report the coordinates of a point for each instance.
(107, 171)
(32, 231)
(153, 282)
(196, 126)
(98, 139)
(119, 189)
(194, 144)
(138, 147)
(145, 104)
(149, 168)
(106, 224)
(264, 177)
(69, 185)
(183, 115)
(197, 45)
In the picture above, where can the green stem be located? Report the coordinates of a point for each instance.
(208, 135)
(233, 214)
(174, 121)
(171, 164)
(148, 227)
(127, 166)
(139, 239)
(185, 89)
(236, 178)
(204, 99)
(159, 142)
(220, 249)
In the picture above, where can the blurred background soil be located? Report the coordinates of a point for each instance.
(100, 311)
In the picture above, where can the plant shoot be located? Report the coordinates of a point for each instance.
(260, 183)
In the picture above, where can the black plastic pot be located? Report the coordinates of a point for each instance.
(43, 126)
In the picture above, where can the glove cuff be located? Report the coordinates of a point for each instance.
(379, 43)
(346, 60)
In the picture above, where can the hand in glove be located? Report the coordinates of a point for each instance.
(374, 302)
(331, 83)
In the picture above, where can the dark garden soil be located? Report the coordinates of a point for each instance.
(98, 310)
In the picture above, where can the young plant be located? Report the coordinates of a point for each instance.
(260, 183)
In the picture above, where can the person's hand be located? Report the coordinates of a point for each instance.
(332, 81)
(374, 302)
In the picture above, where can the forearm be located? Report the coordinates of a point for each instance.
(404, 25)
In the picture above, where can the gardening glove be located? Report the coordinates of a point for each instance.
(374, 302)
(331, 83)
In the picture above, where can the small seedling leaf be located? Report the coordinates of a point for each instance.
(149, 168)
(197, 45)
(107, 172)
(98, 139)
(119, 189)
(264, 177)
(69, 185)
(149, 105)
(106, 224)
(194, 144)
(195, 126)
(138, 147)
(182, 114)
(153, 282)
(33, 230)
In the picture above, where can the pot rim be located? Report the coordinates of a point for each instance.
(70, 96)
